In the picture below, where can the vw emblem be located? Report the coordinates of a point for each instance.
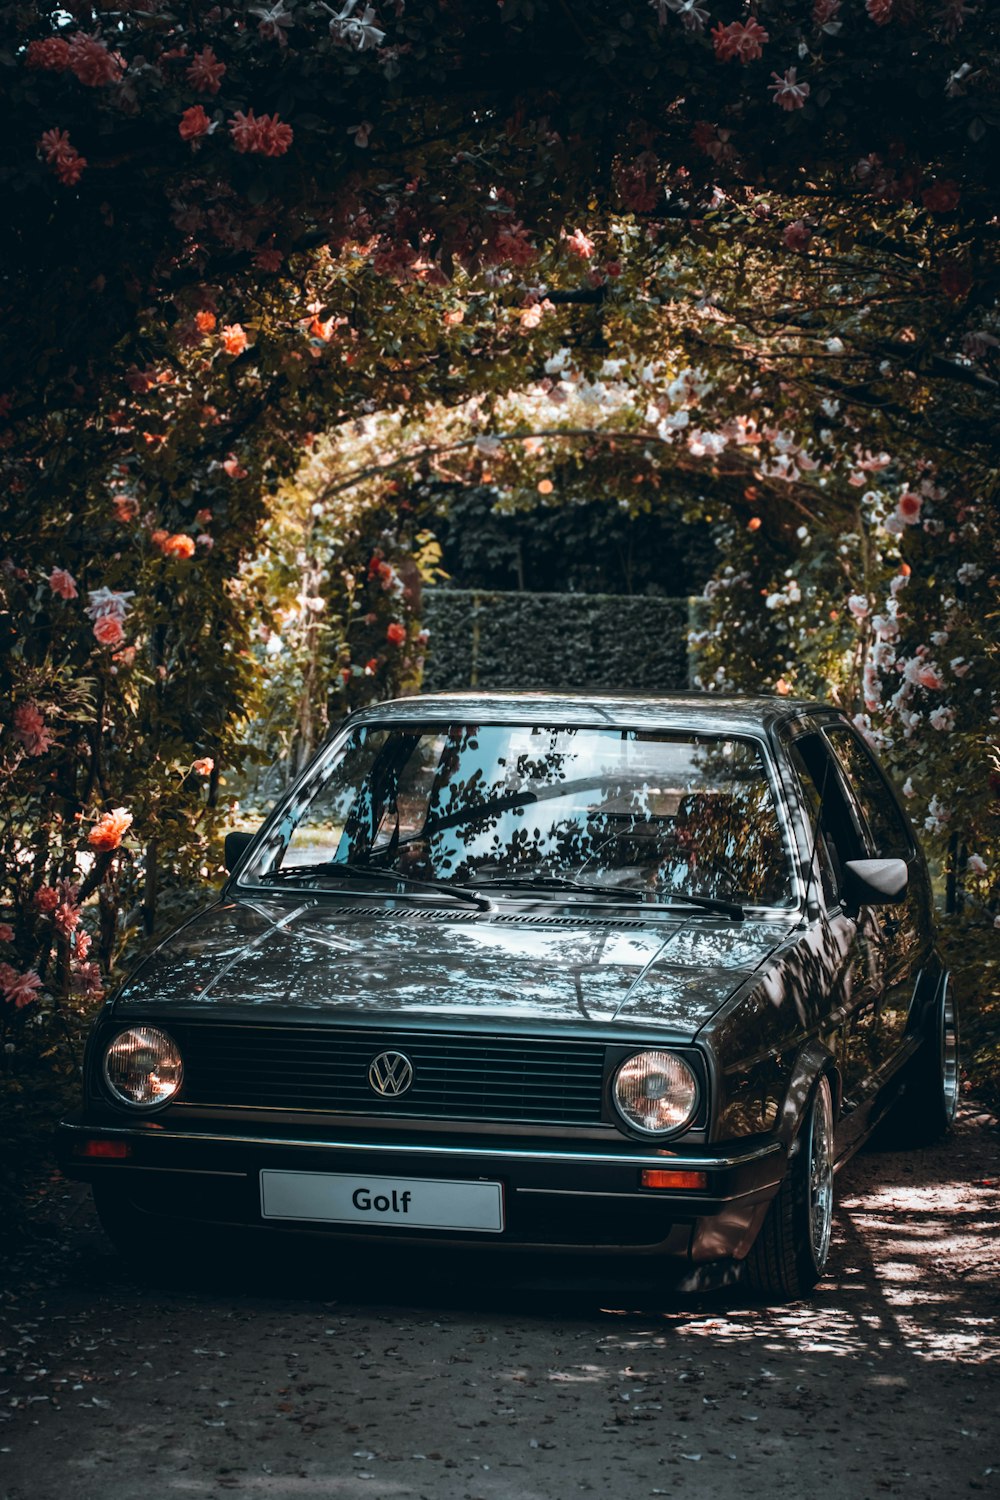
(390, 1074)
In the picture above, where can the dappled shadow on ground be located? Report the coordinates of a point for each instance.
(315, 1371)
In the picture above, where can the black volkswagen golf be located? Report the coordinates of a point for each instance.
(563, 972)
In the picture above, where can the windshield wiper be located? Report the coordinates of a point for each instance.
(564, 883)
(615, 892)
(376, 872)
(708, 903)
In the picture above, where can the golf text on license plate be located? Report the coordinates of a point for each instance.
(352, 1198)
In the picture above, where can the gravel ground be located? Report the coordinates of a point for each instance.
(471, 1377)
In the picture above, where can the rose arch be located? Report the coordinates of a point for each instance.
(266, 266)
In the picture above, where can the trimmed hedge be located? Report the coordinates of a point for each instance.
(554, 641)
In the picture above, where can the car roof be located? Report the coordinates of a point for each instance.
(711, 713)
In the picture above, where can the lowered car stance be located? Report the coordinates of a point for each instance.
(550, 972)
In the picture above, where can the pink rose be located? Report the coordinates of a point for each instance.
(62, 583)
(109, 830)
(108, 630)
(30, 730)
(19, 989)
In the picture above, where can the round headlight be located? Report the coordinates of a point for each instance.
(656, 1092)
(143, 1067)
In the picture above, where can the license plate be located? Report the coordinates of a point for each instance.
(407, 1202)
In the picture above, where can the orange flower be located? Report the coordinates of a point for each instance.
(234, 339)
(178, 545)
(396, 633)
(109, 830)
(203, 767)
(159, 537)
(579, 244)
(205, 321)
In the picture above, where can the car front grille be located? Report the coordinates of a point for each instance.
(455, 1077)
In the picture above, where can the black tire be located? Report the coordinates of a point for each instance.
(789, 1254)
(926, 1108)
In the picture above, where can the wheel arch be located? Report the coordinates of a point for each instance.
(813, 1062)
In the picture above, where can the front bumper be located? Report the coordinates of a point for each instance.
(579, 1197)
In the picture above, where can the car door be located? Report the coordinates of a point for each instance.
(855, 943)
(905, 930)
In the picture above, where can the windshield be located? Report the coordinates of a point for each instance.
(499, 805)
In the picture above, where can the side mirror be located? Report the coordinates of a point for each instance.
(235, 847)
(874, 882)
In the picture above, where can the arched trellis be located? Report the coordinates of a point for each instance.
(145, 197)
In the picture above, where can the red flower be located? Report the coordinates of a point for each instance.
(234, 339)
(266, 135)
(29, 728)
(396, 633)
(268, 259)
(88, 979)
(205, 321)
(6, 932)
(797, 235)
(52, 54)
(46, 898)
(19, 989)
(91, 62)
(941, 197)
(64, 159)
(513, 247)
(194, 123)
(62, 583)
(880, 11)
(206, 72)
(108, 630)
(109, 830)
(738, 41)
(67, 918)
(909, 508)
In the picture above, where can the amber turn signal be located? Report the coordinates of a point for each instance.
(655, 1178)
(104, 1150)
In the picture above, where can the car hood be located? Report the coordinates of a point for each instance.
(524, 962)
